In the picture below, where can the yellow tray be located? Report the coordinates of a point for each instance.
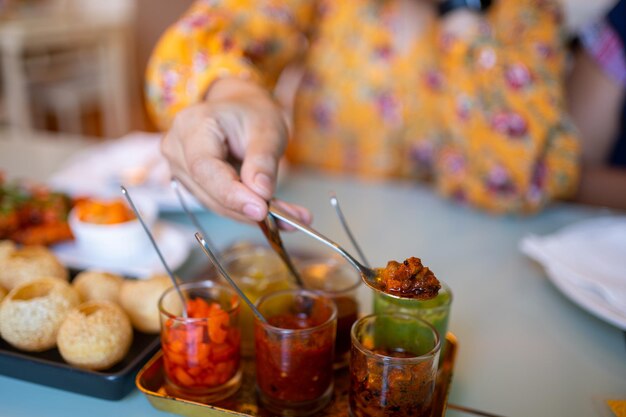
(244, 403)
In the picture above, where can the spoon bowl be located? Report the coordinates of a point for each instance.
(409, 279)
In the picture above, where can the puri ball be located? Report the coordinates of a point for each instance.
(7, 247)
(26, 264)
(98, 285)
(95, 335)
(140, 301)
(31, 314)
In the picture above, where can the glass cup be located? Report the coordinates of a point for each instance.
(294, 352)
(257, 270)
(393, 366)
(435, 311)
(201, 352)
(334, 279)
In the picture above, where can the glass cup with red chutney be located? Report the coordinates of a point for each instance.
(334, 278)
(294, 352)
(393, 366)
(201, 352)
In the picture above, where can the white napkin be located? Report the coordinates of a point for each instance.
(133, 160)
(591, 255)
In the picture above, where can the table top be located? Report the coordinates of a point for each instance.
(524, 349)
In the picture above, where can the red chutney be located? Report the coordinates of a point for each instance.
(201, 353)
(294, 367)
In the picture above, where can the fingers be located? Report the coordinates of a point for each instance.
(207, 199)
(264, 148)
(203, 138)
(197, 151)
(225, 193)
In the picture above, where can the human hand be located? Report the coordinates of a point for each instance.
(239, 122)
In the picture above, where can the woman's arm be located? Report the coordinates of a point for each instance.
(596, 96)
(246, 39)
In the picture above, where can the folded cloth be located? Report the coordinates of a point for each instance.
(134, 161)
(590, 254)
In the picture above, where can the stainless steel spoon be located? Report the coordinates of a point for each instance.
(271, 232)
(156, 248)
(175, 184)
(335, 203)
(211, 255)
(369, 275)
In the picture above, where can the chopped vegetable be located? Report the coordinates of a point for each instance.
(201, 353)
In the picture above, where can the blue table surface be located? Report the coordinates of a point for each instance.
(524, 348)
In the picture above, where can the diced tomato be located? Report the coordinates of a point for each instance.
(183, 377)
(203, 353)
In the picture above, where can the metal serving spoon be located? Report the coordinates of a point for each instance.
(271, 232)
(157, 250)
(342, 219)
(175, 184)
(211, 255)
(369, 275)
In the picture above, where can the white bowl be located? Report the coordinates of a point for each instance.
(116, 242)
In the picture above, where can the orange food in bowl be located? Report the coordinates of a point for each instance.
(103, 212)
(107, 229)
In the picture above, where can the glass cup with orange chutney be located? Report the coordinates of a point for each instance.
(201, 352)
(294, 352)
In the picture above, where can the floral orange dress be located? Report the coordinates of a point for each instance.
(482, 118)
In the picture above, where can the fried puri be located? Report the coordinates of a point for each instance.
(95, 335)
(140, 298)
(98, 285)
(21, 265)
(31, 314)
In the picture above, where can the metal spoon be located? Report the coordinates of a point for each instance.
(156, 248)
(174, 183)
(211, 255)
(335, 203)
(271, 232)
(369, 275)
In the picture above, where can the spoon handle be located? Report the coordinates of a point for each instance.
(170, 273)
(209, 253)
(344, 223)
(281, 215)
(270, 230)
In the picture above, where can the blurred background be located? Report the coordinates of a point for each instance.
(77, 66)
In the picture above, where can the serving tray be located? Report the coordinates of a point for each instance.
(150, 381)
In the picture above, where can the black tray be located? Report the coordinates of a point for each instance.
(49, 368)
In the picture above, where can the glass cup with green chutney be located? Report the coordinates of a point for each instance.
(435, 311)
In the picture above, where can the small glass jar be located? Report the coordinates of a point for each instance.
(337, 280)
(201, 352)
(435, 311)
(257, 270)
(393, 366)
(294, 352)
